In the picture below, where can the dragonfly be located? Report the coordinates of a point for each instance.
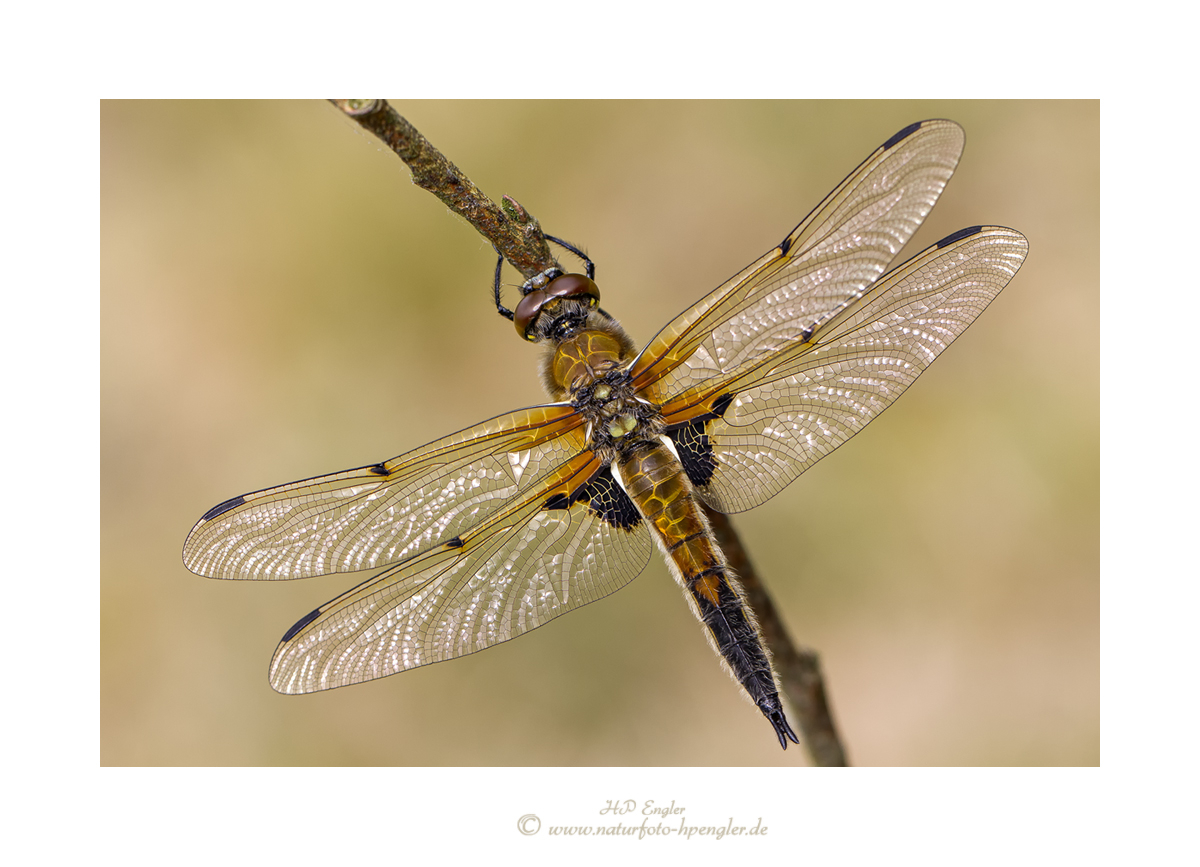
(486, 534)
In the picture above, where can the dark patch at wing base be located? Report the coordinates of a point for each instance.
(692, 443)
(695, 451)
(222, 508)
(605, 499)
(608, 501)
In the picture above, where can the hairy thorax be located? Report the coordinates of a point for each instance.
(590, 369)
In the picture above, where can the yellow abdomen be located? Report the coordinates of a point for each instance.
(656, 482)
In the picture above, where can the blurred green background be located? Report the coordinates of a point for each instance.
(279, 301)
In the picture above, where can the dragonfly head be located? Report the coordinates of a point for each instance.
(557, 298)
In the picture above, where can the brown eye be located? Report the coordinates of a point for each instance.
(527, 310)
(573, 285)
(564, 286)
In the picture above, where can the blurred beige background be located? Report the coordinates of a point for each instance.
(279, 301)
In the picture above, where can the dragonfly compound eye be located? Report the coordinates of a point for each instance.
(565, 286)
(527, 311)
(573, 286)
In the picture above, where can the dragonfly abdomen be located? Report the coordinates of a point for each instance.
(657, 484)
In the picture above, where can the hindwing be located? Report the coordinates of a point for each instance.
(747, 429)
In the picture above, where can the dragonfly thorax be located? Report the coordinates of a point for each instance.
(591, 369)
(582, 353)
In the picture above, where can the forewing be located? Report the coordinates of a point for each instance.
(745, 434)
(521, 568)
(830, 258)
(372, 516)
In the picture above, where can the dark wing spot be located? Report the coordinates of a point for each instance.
(301, 623)
(785, 246)
(902, 135)
(222, 508)
(379, 470)
(720, 405)
(456, 542)
(558, 501)
(959, 235)
(608, 501)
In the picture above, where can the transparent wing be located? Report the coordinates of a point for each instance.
(516, 571)
(372, 516)
(831, 257)
(754, 429)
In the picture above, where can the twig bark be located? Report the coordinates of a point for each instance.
(508, 226)
(519, 238)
